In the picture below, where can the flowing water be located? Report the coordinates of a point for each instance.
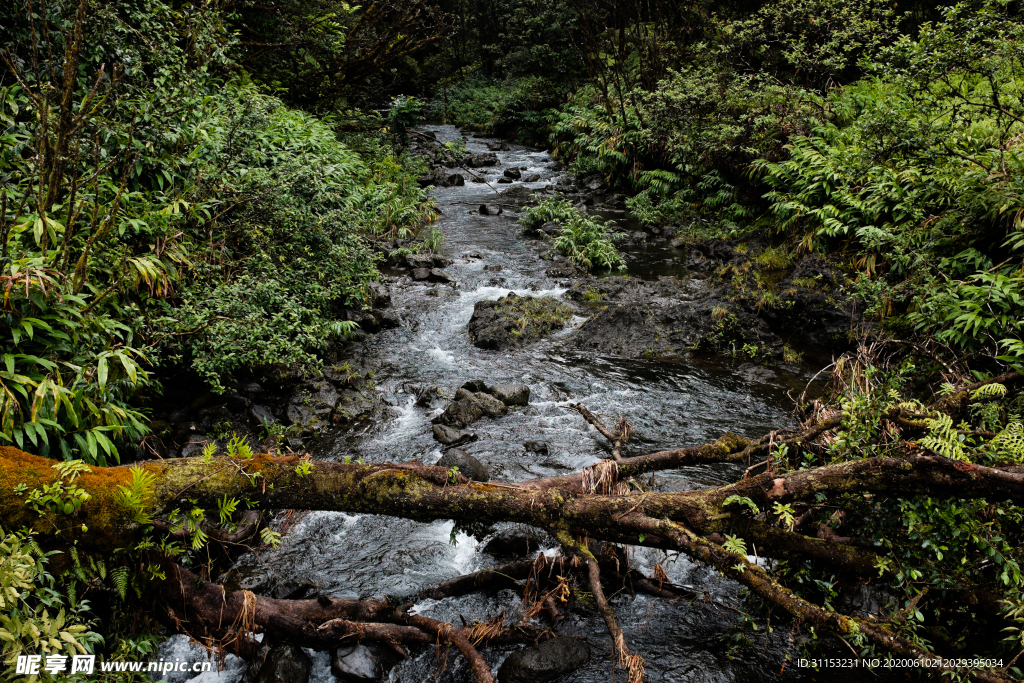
(670, 404)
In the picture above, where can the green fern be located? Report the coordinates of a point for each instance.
(735, 544)
(943, 438)
(119, 577)
(1010, 442)
(136, 496)
(989, 391)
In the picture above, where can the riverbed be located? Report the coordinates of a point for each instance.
(671, 404)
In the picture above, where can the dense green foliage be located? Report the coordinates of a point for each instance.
(583, 240)
(886, 136)
(161, 211)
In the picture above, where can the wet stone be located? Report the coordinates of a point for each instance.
(545, 662)
(285, 664)
(428, 397)
(467, 464)
(538, 447)
(453, 437)
(460, 414)
(511, 394)
(489, 405)
(362, 663)
(483, 159)
(438, 275)
(512, 543)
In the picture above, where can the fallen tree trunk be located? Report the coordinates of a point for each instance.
(116, 505)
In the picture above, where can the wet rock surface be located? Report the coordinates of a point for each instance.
(673, 316)
(545, 662)
(362, 663)
(467, 464)
(285, 664)
(513, 320)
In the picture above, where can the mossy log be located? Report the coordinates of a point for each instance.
(592, 504)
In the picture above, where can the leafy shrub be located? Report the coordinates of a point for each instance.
(35, 616)
(928, 200)
(581, 239)
(552, 209)
(585, 243)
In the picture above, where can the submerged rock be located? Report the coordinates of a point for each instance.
(512, 543)
(513, 173)
(453, 437)
(362, 663)
(482, 159)
(538, 447)
(467, 464)
(545, 662)
(518, 193)
(514, 320)
(511, 394)
(285, 664)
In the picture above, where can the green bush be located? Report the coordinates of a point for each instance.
(919, 179)
(36, 616)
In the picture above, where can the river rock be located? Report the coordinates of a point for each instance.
(538, 447)
(450, 436)
(505, 181)
(513, 320)
(498, 146)
(426, 260)
(301, 416)
(512, 543)
(511, 394)
(262, 414)
(491, 406)
(468, 407)
(460, 413)
(352, 405)
(456, 180)
(442, 276)
(467, 464)
(485, 210)
(428, 397)
(285, 664)
(362, 663)
(545, 662)
(532, 178)
(518, 193)
(513, 173)
(482, 159)
(474, 385)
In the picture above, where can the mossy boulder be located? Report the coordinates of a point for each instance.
(511, 321)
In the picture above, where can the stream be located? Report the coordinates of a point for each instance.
(670, 404)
